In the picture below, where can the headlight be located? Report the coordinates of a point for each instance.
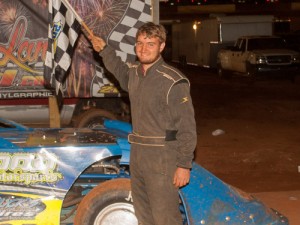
(261, 59)
(296, 58)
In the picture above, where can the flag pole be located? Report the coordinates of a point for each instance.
(90, 32)
(80, 20)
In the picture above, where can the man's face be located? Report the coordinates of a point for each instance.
(148, 49)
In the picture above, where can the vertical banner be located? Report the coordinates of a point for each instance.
(23, 45)
(63, 31)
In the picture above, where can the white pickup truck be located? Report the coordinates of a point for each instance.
(256, 55)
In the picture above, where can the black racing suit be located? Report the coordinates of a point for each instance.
(164, 135)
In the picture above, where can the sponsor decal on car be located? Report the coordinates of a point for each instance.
(29, 168)
(18, 207)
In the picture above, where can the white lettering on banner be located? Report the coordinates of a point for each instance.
(25, 94)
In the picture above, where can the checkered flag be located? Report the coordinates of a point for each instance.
(122, 38)
(64, 29)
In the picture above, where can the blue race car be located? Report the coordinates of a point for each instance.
(82, 176)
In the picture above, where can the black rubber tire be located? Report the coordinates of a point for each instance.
(94, 209)
(93, 118)
(251, 73)
(222, 73)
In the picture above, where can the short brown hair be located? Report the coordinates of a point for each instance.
(153, 30)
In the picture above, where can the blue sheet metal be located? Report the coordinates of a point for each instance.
(46, 158)
(209, 200)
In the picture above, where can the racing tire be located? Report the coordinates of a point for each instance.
(93, 118)
(108, 203)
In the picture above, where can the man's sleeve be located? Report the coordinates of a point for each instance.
(116, 66)
(182, 112)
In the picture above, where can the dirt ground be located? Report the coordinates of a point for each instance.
(259, 148)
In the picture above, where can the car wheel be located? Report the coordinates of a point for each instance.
(93, 118)
(251, 72)
(292, 78)
(221, 72)
(108, 203)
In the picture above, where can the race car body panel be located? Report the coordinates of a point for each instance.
(39, 166)
(211, 201)
(46, 173)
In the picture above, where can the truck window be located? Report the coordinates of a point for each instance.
(252, 44)
(265, 43)
(238, 44)
(243, 46)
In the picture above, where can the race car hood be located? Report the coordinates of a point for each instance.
(13, 135)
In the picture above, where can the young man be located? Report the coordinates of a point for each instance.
(164, 130)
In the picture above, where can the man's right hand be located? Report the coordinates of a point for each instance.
(97, 42)
(181, 177)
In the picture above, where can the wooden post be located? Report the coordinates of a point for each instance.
(54, 114)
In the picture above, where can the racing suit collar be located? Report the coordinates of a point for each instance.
(141, 70)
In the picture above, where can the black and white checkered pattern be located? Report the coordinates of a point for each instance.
(63, 32)
(122, 38)
(101, 86)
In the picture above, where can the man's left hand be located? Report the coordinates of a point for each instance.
(181, 177)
